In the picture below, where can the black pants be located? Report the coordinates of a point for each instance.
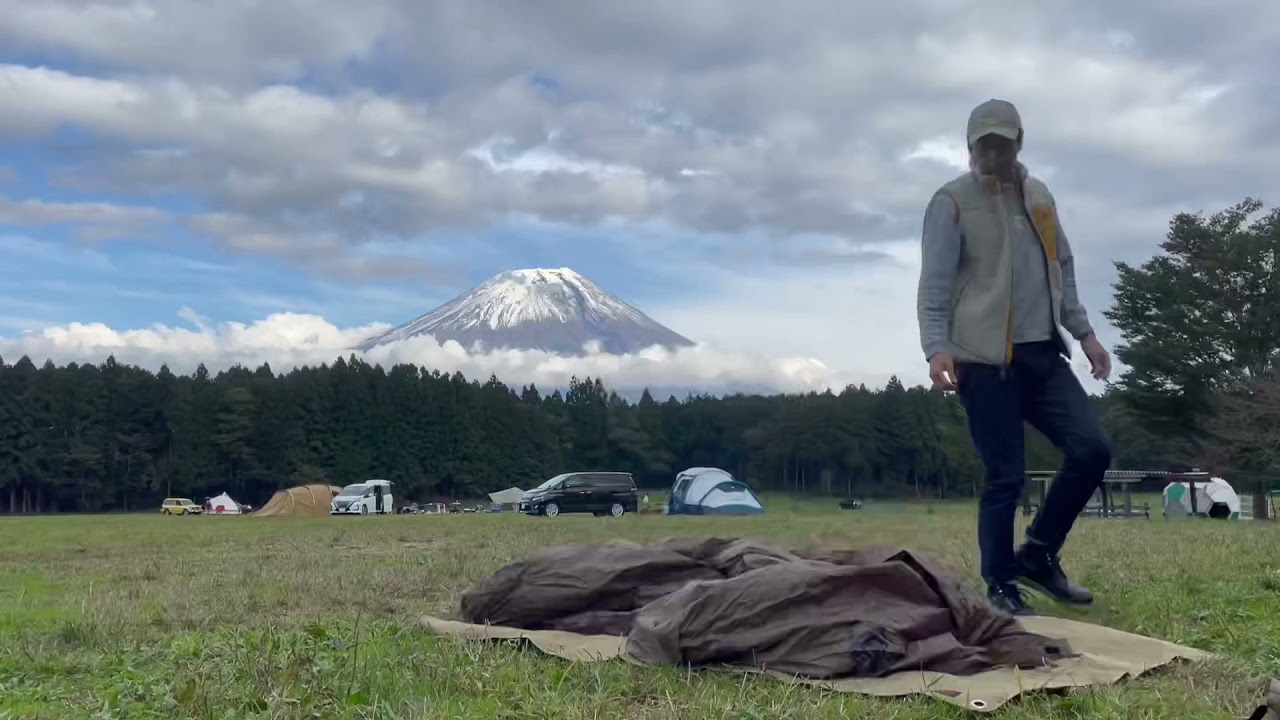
(1039, 388)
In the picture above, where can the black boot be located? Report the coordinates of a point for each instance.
(1007, 598)
(1040, 570)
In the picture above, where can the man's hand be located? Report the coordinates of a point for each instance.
(1098, 356)
(942, 371)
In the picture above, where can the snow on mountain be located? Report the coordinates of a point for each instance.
(552, 310)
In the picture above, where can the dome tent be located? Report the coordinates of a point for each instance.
(1215, 499)
(300, 501)
(711, 491)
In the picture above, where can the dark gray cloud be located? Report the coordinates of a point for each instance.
(33, 211)
(321, 251)
(234, 43)
(721, 117)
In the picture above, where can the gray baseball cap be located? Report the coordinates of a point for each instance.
(994, 117)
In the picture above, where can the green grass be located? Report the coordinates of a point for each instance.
(225, 617)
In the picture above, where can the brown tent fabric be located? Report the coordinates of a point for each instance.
(300, 501)
(751, 603)
(1103, 656)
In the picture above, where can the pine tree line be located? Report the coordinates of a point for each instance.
(116, 437)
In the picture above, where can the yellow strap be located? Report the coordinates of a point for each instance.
(1042, 216)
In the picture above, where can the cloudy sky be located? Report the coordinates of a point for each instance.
(239, 181)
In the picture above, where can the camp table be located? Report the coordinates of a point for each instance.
(1125, 479)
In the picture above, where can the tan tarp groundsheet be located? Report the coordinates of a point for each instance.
(300, 501)
(1104, 656)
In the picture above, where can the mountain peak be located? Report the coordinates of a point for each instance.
(563, 273)
(532, 277)
(555, 310)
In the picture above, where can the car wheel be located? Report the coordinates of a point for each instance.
(551, 509)
(184, 512)
(364, 509)
(617, 509)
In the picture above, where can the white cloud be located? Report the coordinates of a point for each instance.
(859, 318)
(287, 340)
(193, 317)
(948, 151)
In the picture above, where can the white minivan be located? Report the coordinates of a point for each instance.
(371, 497)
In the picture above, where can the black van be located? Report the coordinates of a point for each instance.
(600, 493)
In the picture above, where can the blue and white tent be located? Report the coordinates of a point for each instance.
(711, 491)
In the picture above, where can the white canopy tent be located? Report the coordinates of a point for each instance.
(223, 505)
(510, 496)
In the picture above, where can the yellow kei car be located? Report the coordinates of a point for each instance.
(180, 506)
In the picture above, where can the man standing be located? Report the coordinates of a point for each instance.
(997, 282)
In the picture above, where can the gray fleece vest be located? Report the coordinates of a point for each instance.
(982, 301)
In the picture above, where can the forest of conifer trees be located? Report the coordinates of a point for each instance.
(113, 437)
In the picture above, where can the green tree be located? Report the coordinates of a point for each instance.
(1202, 316)
(233, 437)
(1201, 327)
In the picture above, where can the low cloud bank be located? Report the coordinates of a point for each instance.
(288, 340)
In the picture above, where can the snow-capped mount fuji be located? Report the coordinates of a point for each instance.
(552, 310)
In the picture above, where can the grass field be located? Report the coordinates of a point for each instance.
(226, 617)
